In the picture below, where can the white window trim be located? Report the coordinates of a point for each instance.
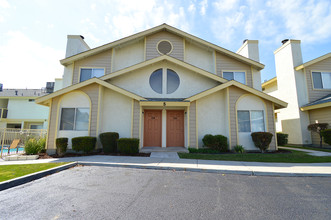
(75, 115)
(312, 79)
(250, 121)
(233, 71)
(80, 70)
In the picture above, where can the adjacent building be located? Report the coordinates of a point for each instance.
(306, 87)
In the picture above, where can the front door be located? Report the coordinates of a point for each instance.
(152, 128)
(175, 128)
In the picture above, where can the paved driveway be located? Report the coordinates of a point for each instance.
(96, 192)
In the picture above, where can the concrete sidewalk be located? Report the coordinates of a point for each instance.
(229, 167)
(310, 152)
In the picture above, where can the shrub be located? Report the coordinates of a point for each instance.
(128, 145)
(85, 144)
(32, 146)
(326, 134)
(318, 128)
(203, 151)
(216, 142)
(239, 149)
(61, 146)
(262, 140)
(109, 141)
(42, 143)
(282, 139)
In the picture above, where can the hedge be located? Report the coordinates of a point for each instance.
(216, 142)
(327, 136)
(128, 145)
(282, 139)
(109, 141)
(85, 144)
(262, 140)
(61, 146)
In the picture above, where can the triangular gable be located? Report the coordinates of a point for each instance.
(163, 27)
(319, 59)
(164, 58)
(279, 103)
(44, 100)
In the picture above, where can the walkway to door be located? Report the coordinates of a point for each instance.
(163, 149)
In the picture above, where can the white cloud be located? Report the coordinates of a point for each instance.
(4, 4)
(27, 63)
(93, 6)
(191, 8)
(226, 5)
(204, 6)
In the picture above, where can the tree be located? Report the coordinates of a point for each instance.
(318, 128)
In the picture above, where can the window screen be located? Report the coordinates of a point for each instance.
(155, 81)
(243, 121)
(257, 121)
(67, 119)
(172, 81)
(317, 80)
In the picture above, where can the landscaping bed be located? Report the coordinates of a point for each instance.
(46, 156)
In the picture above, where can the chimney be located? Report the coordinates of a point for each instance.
(250, 49)
(75, 45)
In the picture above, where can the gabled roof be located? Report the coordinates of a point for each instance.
(318, 59)
(44, 100)
(278, 103)
(319, 103)
(10, 93)
(266, 83)
(160, 59)
(163, 27)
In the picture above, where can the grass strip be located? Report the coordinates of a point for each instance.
(291, 157)
(8, 172)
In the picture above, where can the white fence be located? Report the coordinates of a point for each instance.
(8, 135)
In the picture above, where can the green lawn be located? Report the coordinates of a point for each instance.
(310, 148)
(8, 172)
(292, 157)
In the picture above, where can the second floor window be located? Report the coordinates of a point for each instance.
(88, 73)
(322, 80)
(237, 76)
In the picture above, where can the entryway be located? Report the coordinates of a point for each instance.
(175, 128)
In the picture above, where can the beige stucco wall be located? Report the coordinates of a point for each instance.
(191, 83)
(322, 115)
(200, 56)
(128, 55)
(212, 116)
(116, 113)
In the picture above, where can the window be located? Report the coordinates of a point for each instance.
(74, 119)
(164, 47)
(250, 121)
(238, 76)
(322, 80)
(88, 73)
(172, 81)
(36, 127)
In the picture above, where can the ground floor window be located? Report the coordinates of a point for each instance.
(74, 119)
(250, 121)
(36, 126)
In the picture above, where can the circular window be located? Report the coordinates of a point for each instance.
(164, 47)
(156, 81)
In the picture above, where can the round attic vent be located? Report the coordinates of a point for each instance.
(164, 47)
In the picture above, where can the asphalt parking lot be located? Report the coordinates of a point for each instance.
(97, 192)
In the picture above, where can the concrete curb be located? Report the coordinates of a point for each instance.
(34, 176)
(238, 172)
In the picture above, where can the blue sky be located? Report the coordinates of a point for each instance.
(33, 33)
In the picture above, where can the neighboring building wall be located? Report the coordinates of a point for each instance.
(314, 94)
(193, 125)
(190, 83)
(176, 41)
(116, 113)
(101, 60)
(128, 55)
(200, 56)
(225, 63)
(67, 75)
(292, 89)
(23, 109)
(212, 115)
(322, 115)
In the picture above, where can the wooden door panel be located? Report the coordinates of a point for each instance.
(175, 128)
(152, 128)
